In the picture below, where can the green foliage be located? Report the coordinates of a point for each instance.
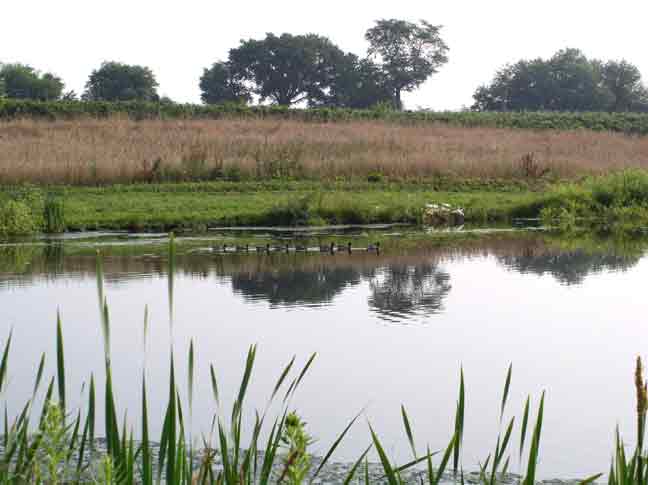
(54, 215)
(286, 69)
(16, 219)
(409, 53)
(114, 81)
(568, 81)
(218, 85)
(20, 81)
(296, 459)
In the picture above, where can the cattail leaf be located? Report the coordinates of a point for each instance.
(408, 430)
(507, 386)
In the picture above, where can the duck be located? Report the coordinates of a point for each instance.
(327, 248)
(374, 247)
(263, 249)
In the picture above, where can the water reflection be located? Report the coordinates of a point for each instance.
(569, 268)
(403, 282)
(402, 290)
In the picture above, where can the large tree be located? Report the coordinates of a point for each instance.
(114, 81)
(568, 81)
(623, 80)
(357, 83)
(408, 53)
(218, 84)
(287, 69)
(24, 82)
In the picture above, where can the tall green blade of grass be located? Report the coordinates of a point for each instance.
(349, 478)
(507, 385)
(335, 444)
(282, 377)
(408, 430)
(60, 364)
(390, 474)
(525, 422)
(190, 378)
(535, 446)
(459, 422)
(171, 423)
(172, 253)
(435, 478)
(39, 375)
(4, 362)
(214, 384)
(147, 466)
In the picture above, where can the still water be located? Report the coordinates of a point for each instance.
(389, 329)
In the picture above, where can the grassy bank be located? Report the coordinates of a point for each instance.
(620, 198)
(198, 206)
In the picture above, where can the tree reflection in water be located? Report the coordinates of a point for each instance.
(401, 290)
(296, 286)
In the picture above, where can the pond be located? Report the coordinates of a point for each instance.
(390, 328)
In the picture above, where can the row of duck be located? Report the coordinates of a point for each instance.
(331, 248)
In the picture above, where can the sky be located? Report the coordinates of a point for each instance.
(177, 40)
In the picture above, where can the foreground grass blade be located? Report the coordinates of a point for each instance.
(4, 363)
(591, 479)
(356, 465)
(408, 430)
(459, 422)
(525, 422)
(60, 364)
(335, 444)
(535, 446)
(507, 385)
(390, 474)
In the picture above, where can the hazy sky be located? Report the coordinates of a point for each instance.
(178, 39)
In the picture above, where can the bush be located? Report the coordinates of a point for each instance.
(629, 187)
(16, 219)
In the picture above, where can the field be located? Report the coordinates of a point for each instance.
(118, 150)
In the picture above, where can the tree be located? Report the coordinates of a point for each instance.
(409, 53)
(24, 82)
(357, 83)
(286, 69)
(568, 81)
(115, 81)
(624, 82)
(219, 85)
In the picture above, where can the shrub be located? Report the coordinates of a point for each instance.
(16, 219)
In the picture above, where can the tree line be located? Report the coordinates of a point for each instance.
(310, 70)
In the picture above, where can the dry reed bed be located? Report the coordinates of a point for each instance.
(124, 151)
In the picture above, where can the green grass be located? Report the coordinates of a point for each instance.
(197, 205)
(619, 198)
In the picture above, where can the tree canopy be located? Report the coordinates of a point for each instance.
(114, 81)
(287, 69)
(219, 85)
(24, 82)
(408, 53)
(568, 81)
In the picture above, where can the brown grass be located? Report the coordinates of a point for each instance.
(120, 150)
